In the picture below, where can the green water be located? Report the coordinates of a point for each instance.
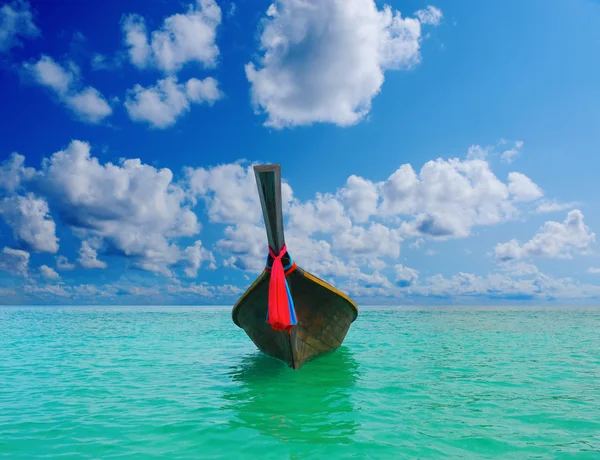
(185, 383)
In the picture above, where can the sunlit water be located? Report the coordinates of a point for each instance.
(186, 383)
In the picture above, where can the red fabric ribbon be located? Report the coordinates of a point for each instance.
(280, 316)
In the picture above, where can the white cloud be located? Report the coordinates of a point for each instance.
(14, 261)
(88, 256)
(203, 91)
(448, 198)
(324, 214)
(360, 197)
(133, 208)
(501, 286)
(325, 61)
(13, 173)
(135, 37)
(49, 273)
(510, 250)
(477, 152)
(510, 154)
(90, 290)
(87, 103)
(594, 270)
(206, 290)
(62, 263)
(554, 239)
(137, 211)
(230, 193)
(44, 291)
(48, 73)
(405, 276)
(375, 241)
(417, 244)
(196, 255)
(161, 105)
(90, 104)
(183, 38)
(514, 268)
(247, 244)
(16, 22)
(430, 15)
(376, 264)
(522, 188)
(28, 217)
(546, 206)
(316, 256)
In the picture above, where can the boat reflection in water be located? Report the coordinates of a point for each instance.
(314, 406)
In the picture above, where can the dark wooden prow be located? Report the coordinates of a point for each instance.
(268, 181)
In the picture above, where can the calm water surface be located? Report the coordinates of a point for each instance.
(185, 383)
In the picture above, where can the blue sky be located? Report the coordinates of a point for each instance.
(432, 153)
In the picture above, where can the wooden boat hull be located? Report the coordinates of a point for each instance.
(324, 317)
(324, 314)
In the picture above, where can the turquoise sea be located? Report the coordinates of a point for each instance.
(185, 383)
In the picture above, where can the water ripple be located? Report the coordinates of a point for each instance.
(408, 383)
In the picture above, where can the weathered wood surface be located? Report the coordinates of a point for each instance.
(324, 314)
(324, 318)
(268, 181)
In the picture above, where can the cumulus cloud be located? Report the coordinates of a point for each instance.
(132, 208)
(229, 192)
(477, 152)
(554, 239)
(509, 155)
(88, 256)
(594, 270)
(14, 261)
(87, 103)
(405, 276)
(347, 237)
(16, 23)
(502, 286)
(522, 188)
(324, 214)
(448, 197)
(13, 173)
(161, 105)
(183, 37)
(28, 217)
(516, 268)
(430, 15)
(206, 290)
(49, 273)
(360, 197)
(375, 241)
(247, 246)
(45, 291)
(547, 206)
(195, 256)
(325, 61)
(63, 264)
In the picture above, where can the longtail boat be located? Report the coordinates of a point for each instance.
(287, 312)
